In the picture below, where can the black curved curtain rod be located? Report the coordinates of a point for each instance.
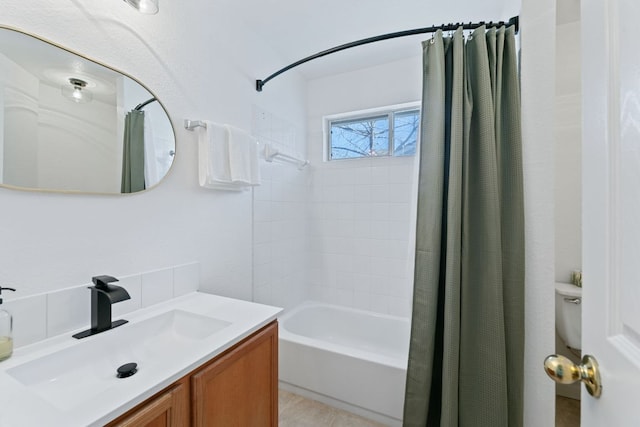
(445, 27)
(144, 104)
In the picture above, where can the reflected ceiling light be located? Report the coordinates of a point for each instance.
(76, 91)
(148, 7)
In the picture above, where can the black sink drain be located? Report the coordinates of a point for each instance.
(127, 370)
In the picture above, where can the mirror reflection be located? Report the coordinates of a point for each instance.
(70, 124)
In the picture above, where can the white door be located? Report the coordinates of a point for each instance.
(611, 208)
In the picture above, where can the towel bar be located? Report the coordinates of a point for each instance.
(192, 124)
(270, 153)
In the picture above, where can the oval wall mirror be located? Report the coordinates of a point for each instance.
(68, 123)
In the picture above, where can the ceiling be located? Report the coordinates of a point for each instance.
(299, 28)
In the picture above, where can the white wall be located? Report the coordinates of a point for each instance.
(201, 63)
(361, 252)
(537, 20)
(568, 152)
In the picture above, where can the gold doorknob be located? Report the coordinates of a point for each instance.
(562, 370)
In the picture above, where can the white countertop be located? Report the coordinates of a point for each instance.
(27, 405)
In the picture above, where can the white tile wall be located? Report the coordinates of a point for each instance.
(280, 217)
(361, 209)
(157, 286)
(29, 319)
(68, 309)
(40, 316)
(359, 227)
(337, 232)
(280, 242)
(186, 279)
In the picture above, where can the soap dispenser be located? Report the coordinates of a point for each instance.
(6, 330)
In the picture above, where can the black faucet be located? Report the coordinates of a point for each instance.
(102, 296)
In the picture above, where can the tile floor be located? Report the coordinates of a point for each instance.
(297, 411)
(567, 412)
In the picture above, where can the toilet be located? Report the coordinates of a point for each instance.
(568, 314)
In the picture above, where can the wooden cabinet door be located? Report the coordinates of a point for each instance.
(169, 409)
(239, 388)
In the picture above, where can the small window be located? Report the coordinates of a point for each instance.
(391, 133)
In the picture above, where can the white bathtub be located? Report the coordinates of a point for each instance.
(352, 359)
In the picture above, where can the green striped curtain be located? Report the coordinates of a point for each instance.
(133, 153)
(467, 333)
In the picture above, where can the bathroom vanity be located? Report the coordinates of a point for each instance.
(201, 360)
(239, 387)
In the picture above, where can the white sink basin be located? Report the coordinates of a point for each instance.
(78, 374)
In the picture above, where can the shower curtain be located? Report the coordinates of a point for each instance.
(133, 153)
(467, 335)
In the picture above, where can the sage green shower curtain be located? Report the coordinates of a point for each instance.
(467, 334)
(133, 153)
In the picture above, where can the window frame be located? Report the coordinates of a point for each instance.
(372, 113)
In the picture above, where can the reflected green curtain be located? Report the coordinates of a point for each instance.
(467, 334)
(133, 153)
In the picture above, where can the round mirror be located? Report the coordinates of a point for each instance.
(68, 123)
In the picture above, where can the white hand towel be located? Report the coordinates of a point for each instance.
(243, 157)
(213, 155)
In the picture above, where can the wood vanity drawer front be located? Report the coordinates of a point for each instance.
(169, 409)
(239, 388)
